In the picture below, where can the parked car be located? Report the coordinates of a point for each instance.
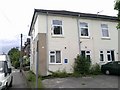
(6, 77)
(111, 68)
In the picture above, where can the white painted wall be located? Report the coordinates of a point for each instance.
(36, 28)
(42, 23)
(70, 39)
(95, 43)
(33, 55)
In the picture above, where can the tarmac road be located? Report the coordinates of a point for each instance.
(100, 81)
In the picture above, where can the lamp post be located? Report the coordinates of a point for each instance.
(21, 53)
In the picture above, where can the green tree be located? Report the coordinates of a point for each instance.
(14, 55)
(117, 7)
(82, 65)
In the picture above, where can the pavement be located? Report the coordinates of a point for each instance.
(99, 81)
(18, 80)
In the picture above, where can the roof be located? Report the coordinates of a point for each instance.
(71, 13)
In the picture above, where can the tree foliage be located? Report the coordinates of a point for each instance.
(82, 65)
(14, 55)
(117, 7)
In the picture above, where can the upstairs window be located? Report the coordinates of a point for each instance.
(105, 32)
(57, 27)
(84, 29)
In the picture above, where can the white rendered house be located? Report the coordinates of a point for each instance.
(57, 37)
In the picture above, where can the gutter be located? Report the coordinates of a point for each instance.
(47, 52)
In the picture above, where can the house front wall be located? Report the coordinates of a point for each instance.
(68, 43)
(96, 43)
(106, 44)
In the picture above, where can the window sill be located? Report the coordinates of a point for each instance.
(105, 38)
(102, 61)
(85, 37)
(57, 36)
(110, 61)
(55, 63)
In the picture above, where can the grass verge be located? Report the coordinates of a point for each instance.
(31, 78)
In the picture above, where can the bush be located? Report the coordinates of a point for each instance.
(95, 69)
(58, 73)
(16, 64)
(82, 65)
(26, 68)
(26, 61)
(31, 76)
(75, 74)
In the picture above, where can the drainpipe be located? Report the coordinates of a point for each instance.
(37, 64)
(47, 63)
(78, 34)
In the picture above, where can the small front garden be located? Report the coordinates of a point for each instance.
(82, 67)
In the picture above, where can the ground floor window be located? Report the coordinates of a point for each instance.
(55, 56)
(101, 56)
(110, 55)
(85, 53)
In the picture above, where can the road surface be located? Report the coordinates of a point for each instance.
(99, 81)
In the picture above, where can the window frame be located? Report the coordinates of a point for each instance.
(52, 29)
(100, 56)
(105, 29)
(84, 28)
(86, 54)
(110, 55)
(54, 56)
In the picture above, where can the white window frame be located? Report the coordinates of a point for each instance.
(52, 29)
(54, 56)
(84, 28)
(110, 56)
(107, 29)
(87, 53)
(102, 54)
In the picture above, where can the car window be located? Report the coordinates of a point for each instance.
(6, 67)
(1, 66)
(116, 64)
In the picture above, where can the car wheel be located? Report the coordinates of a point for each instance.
(6, 88)
(11, 82)
(107, 72)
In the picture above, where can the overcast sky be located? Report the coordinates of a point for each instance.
(16, 15)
